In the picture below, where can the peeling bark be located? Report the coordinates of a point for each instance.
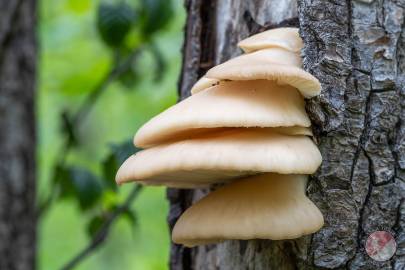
(357, 50)
(17, 135)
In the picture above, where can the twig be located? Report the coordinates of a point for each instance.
(102, 233)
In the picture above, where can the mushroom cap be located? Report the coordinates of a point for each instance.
(203, 83)
(220, 157)
(286, 38)
(266, 206)
(259, 103)
(275, 64)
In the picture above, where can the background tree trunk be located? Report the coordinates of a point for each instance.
(17, 134)
(357, 50)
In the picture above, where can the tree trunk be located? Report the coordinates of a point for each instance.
(357, 50)
(17, 134)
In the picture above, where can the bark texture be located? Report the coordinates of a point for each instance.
(357, 50)
(17, 134)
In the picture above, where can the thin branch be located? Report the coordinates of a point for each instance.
(102, 233)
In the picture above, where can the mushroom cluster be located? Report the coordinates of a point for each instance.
(244, 126)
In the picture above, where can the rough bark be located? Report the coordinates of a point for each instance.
(17, 134)
(357, 50)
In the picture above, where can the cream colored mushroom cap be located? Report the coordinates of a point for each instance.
(266, 206)
(220, 157)
(203, 83)
(270, 64)
(286, 38)
(259, 103)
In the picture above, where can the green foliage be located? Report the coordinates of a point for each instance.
(61, 177)
(80, 184)
(156, 14)
(160, 63)
(129, 78)
(119, 153)
(89, 190)
(95, 224)
(131, 217)
(68, 129)
(77, 170)
(87, 187)
(114, 21)
(123, 150)
(110, 166)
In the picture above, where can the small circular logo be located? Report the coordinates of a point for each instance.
(381, 246)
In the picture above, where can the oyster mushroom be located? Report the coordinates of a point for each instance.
(267, 206)
(259, 103)
(246, 119)
(220, 157)
(275, 57)
(285, 37)
(274, 64)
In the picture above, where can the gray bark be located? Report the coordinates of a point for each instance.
(17, 134)
(357, 50)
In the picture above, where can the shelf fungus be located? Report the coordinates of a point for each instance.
(266, 206)
(259, 103)
(244, 126)
(221, 156)
(285, 37)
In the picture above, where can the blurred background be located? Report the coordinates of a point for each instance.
(105, 67)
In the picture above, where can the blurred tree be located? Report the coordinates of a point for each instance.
(357, 50)
(17, 134)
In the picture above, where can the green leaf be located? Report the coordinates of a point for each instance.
(68, 128)
(129, 78)
(131, 217)
(160, 63)
(114, 21)
(95, 224)
(79, 184)
(110, 199)
(155, 14)
(110, 167)
(123, 150)
(119, 153)
(61, 177)
(87, 187)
